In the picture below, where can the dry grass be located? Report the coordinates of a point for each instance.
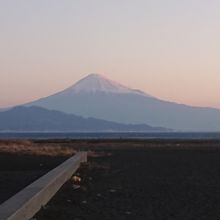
(30, 148)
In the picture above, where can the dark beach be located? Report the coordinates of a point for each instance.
(22, 162)
(153, 179)
(123, 179)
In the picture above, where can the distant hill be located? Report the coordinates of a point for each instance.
(39, 119)
(95, 96)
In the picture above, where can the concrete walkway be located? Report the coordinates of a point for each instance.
(25, 204)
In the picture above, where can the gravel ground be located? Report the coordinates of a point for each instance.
(153, 184)
(17, 171)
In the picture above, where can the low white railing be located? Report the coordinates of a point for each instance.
(25, 204)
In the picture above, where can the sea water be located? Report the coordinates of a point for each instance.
(109, 135)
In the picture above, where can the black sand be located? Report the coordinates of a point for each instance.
(161, 182)
(18, 171)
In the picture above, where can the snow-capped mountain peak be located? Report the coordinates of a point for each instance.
(97, 83)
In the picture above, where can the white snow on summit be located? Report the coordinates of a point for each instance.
(97, 83)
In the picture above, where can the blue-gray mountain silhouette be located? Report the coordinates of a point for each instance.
(40, 119)
(95, 96)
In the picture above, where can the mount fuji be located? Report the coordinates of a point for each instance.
(98, 97)
(94, 83)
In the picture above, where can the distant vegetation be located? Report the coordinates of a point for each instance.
(31, 148)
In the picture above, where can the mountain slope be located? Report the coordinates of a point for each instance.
(39, 119)
(95, 96)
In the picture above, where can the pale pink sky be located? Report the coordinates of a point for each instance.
(170, 49)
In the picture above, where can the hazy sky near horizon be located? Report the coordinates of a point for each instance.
(169, 49)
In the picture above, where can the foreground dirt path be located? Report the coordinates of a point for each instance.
(153, 184)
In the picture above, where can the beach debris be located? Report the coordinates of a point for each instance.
(45, 207)
(99, 195)
(112, 190)
(128, 213)
(75, 186)
(76, 179)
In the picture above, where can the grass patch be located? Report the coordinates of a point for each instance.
(31, 148)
